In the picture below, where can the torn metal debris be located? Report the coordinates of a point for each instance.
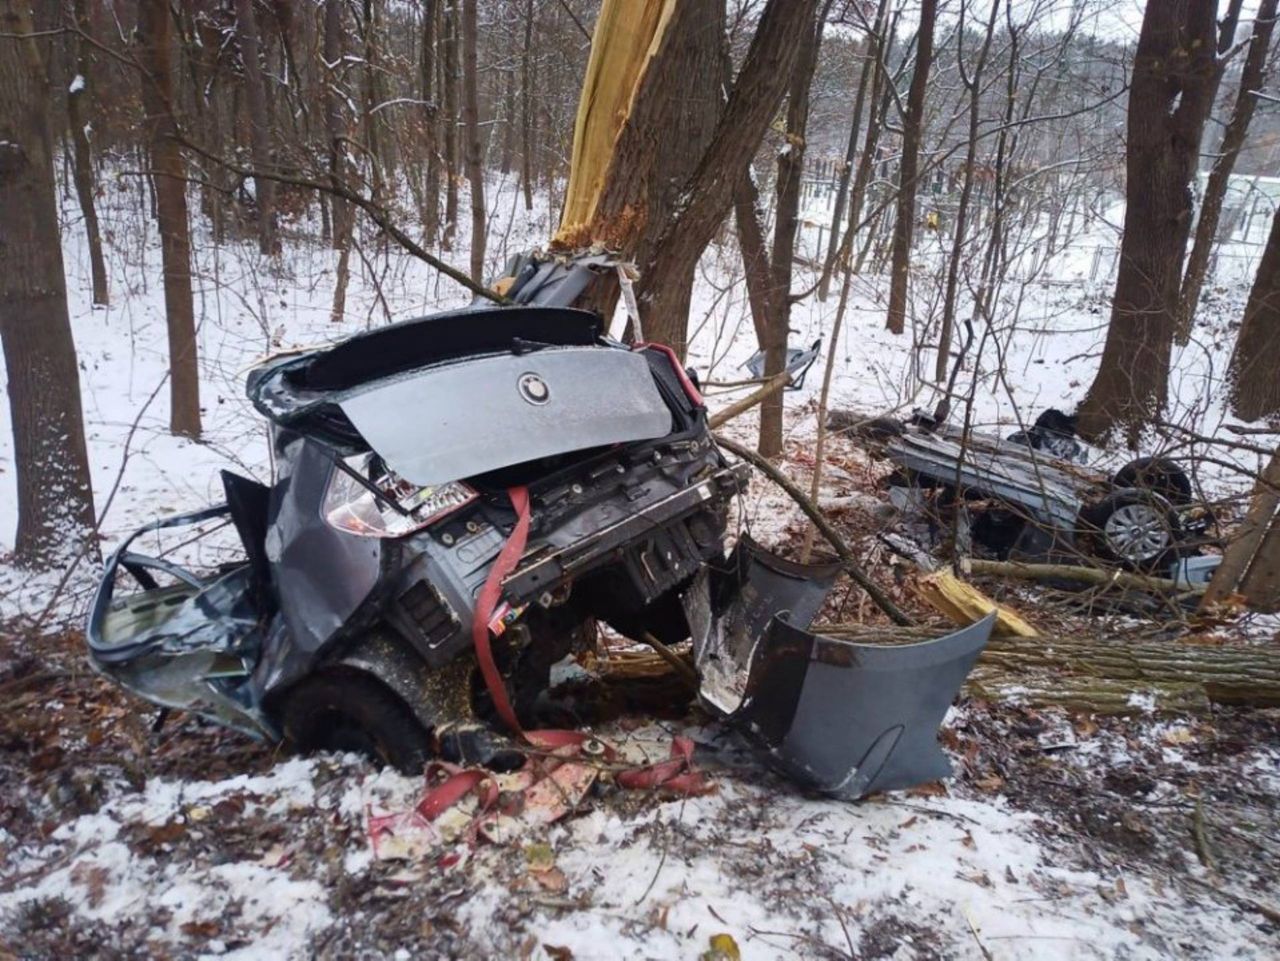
(456, 500)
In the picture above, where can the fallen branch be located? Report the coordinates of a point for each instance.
(963, 604)
(771, 387)
(832, 536)
(678, 663)
(1070, 572)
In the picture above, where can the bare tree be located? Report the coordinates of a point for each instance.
(81, 151)
(55, 499)
(1252, 78)
(1174, 75)
(708, 194)
(169, 176)
(908, 168)
(259, 125)
(471, 118)
(1255, 362)
(449, 121)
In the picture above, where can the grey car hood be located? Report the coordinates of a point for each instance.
(454, 421)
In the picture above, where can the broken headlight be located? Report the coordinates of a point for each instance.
(365, 498)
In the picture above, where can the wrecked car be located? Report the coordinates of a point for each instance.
(1031, 495)
(456, 500)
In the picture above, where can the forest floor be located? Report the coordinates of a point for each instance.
(1059, 837)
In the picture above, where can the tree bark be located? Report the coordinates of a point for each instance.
(449, 120)
(708, 194)
(1246, 540)
(83, 155)
(55, 498)
(339, 165)
(1174, 75)
(909, 167)
(156, 60)
(790, 170)
(1252, 78)
(973, 84)
(526, 108)
(431, 121)
(471, 118)
(1252, 373)
(259, 126)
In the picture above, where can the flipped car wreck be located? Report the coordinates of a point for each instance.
(456, 500)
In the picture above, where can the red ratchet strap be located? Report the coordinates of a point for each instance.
(506, 562)
(677, 774)
(693, 393)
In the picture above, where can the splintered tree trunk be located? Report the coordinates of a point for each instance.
(1174, 74)
(83, 155)
(909, 169)
(259, 125)
(339, 166)
(526, 108)
(708, 194)
(471, 117)
(55, 500)
(649, 105)
(1254, 372)
(790, 170)
(450, 123)
(1252, 77)
(155, 57)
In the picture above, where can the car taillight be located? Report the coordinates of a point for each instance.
(398, 508)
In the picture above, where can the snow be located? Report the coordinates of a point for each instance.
(77, 84)
(786, 875)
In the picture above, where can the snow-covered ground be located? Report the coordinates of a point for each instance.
(188, 861)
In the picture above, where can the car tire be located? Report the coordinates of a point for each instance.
(1136, 528)
(352, 711)
(1159, 475)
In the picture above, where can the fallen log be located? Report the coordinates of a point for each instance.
(1070, 572)
(1109, 676)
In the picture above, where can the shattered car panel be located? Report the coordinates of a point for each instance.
(365, 560)
(838, 716)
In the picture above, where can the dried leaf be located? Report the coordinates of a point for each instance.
(557, 952)
(723, 948)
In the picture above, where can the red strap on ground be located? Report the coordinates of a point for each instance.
(506, 562)
(459, 783)
(677, 775)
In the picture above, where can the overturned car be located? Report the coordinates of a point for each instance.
(457, 500)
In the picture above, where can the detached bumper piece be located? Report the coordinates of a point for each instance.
(841, 717)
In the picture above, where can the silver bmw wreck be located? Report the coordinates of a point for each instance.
(456, 499)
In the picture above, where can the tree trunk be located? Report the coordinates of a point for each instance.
(431, 121)
(1254, 382)
(1246, 539)
(339, 165)
(790, 170)
(1171, 95)
(471, 117)
(708, 194)
(55, 499)
(526, 109)
(649, 105)
(508, 120)
(865, 86)
(912, 135)
(259, 125)
(450, 123)
(1252, 78)
(974, 85)
(83, 156)
(155, 58)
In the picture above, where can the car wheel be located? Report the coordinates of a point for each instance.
(352, 711)
(1159, 475)
(1136, 528)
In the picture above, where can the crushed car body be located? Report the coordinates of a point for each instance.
(456, 501)
(1032, 497)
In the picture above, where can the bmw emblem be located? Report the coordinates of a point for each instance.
(533, 389)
